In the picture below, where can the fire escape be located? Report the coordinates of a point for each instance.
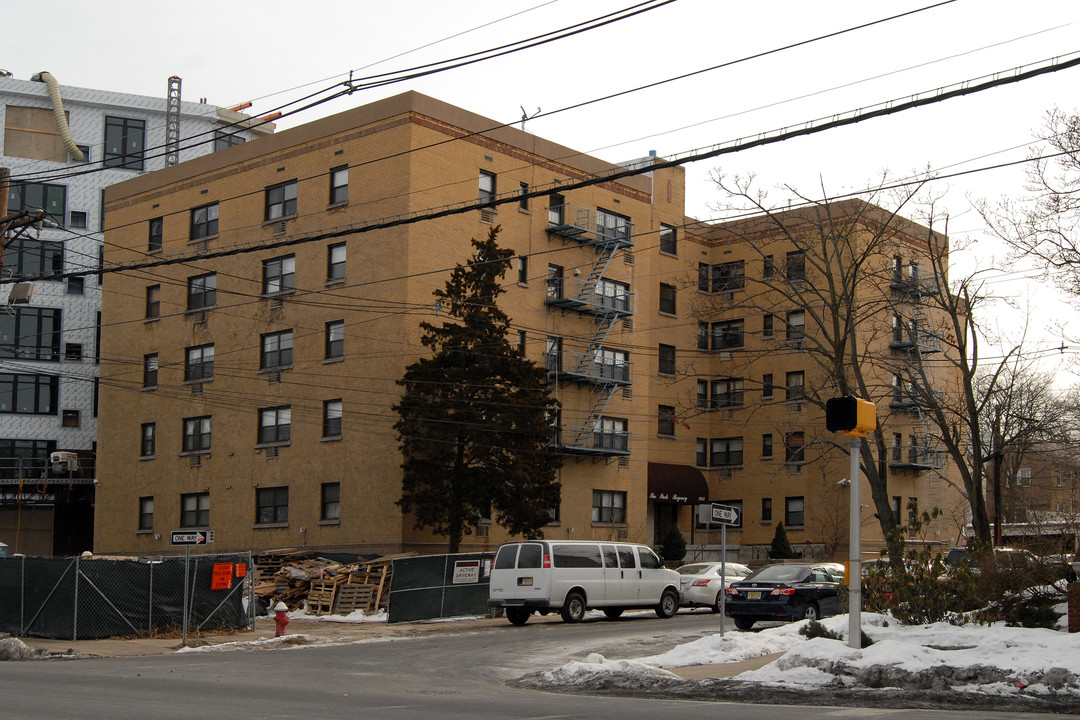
(591, 365)
(912, 340)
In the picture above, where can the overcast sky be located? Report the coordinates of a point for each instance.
(275, 52)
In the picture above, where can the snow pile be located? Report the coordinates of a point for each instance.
(984, 659)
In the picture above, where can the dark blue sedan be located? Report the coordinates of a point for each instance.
(783, 592)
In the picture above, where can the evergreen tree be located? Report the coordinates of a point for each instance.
(473, 423)
(673, 547)
(781, 548)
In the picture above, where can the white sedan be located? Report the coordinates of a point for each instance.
(701, 584)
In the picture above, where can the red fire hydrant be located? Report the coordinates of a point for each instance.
(281, 618)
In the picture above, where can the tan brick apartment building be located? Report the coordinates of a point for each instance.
(246, 387)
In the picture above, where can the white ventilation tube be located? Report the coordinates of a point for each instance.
(58, 112)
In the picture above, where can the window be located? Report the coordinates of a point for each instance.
(612, 294)
(727, 334)
(275, 424)
(523, 201)
(204, 221)
(667, 298)
(703, 395)
(612, 226)
(150, 370)
(73, 352)
(665, 420)
(702, 456)
(30, 334)
(766, 445)
(330, 502)
(727, 393)
(726, 451)
(523, 269)
(554, 282)
(148, 444)
(146, 514)
(339, 185)
(703, 336)
(69, 418)
(195, 510)
(610, 434)
(125, 139)
(667, 360)
(335, 340)
(202, 292)
(78, 219)
(85, 150)
(156, 241)
(331, 418)
(796, 327)
(197, 434)
(766, 510)
(335, 262)
(794, 448)
(29, 394)
(766, 386)
(668, 240)
(608, 506)
(521, 343)
(279, 275)
(224, 139)
(768, 267)
(276, 350)
(199, 363)
(75, 285)
(556, 209)
(897, 500)
(487, 186)
(281, 201)
(767, 326)
(34, 197)
(24, 458)
(25, 258)
(724, 277)
(553, 354)
(796, 388)
(612, 364)
(796, 266)
(793, 511)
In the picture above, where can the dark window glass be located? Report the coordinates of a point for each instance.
(667, 298)
(665, 420)
(195, 510)
(204, 221)
(330, 501)
(271, 506)
(199, 363)
(487, 186)
(276, 350)
(275, 424)
(146, 513)
(335, 339)
(148, 444)
(668, 239)
(39, 197)
(202, 291)
(332, 418)
(30, 334)
(125, 139)
(339, 185)
(224, 139)
(279, 275)
(667, 359)
(281, 201)
(150, 370)
(335, 262)
(153, 301)
(25, 258)
(28, 394)
(197, 434)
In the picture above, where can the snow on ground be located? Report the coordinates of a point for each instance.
(987, 659)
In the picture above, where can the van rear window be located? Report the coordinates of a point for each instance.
(504, 560)
(576, 556)
(529, 557)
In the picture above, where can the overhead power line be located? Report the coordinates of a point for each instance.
(810, 127)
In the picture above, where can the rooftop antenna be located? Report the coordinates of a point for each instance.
(525, 115)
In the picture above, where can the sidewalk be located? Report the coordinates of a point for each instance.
(304, 631)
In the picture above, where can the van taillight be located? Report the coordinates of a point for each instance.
(547, 560)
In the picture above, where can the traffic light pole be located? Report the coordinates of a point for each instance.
(855, 552)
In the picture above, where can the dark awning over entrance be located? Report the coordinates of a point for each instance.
(678, 484)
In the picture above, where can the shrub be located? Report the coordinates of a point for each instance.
(673, 546)
(781, 547)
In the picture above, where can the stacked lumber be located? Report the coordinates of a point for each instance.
(299, 578)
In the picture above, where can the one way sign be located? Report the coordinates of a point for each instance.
(192, 537)
(725, 514)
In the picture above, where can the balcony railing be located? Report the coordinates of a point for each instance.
(584, 367)
(586, 440)
(916, 457)
(595, 297)
(591, 226)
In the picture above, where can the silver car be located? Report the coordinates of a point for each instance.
(700, 584)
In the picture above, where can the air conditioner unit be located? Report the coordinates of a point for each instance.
(64, 462)
(21, 293)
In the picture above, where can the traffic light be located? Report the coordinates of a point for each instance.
(851, 416)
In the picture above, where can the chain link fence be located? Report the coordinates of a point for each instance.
(440, 586)
(84, 599)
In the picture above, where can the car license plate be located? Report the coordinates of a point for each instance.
(754, 594)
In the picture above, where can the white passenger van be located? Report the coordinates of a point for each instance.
(570, 576)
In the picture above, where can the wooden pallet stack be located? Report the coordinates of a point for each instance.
(323, 586)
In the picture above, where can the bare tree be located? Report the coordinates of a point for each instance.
(826, 270)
